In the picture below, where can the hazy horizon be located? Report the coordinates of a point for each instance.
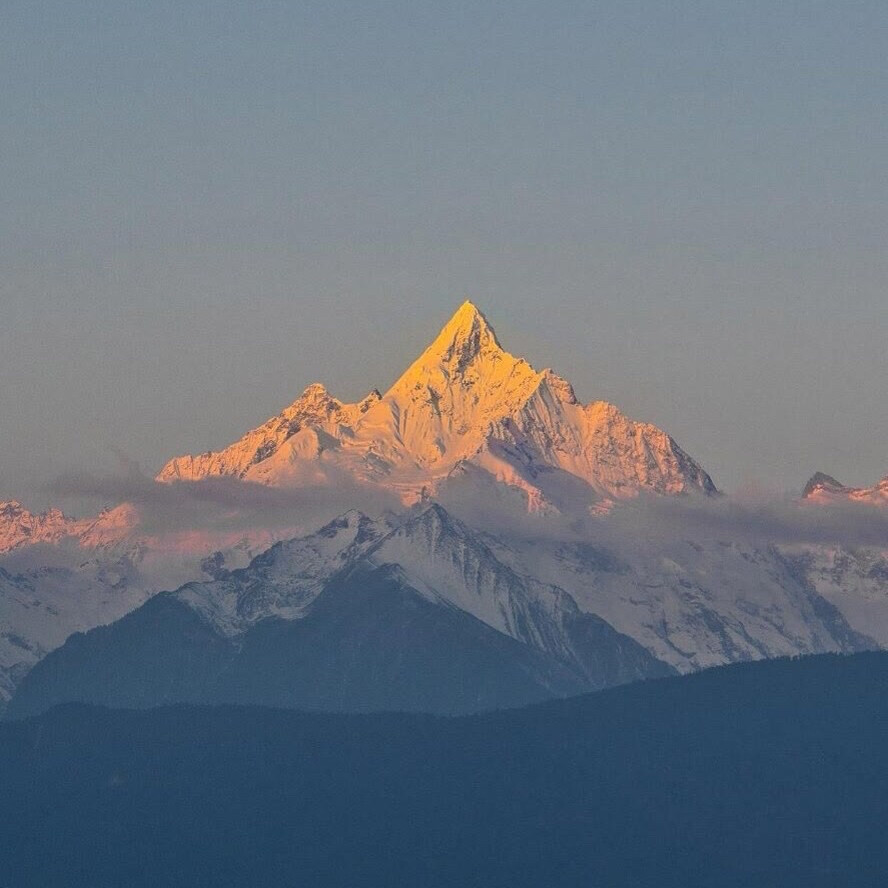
(207, 208)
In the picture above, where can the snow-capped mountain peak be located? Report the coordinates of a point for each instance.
(464, 399)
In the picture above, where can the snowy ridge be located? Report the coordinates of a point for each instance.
(688, 605)
(444, 558)
(439, 556)
(20, 527)
(284, 581)
(693, 605)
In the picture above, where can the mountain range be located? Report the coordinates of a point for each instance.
(511, 571)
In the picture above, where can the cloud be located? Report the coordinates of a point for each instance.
(223, 503)
(230, 505)
(761, 520)
(757, 517)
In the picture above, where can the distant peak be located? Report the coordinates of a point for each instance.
(822, 481)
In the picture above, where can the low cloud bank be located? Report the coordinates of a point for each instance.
(230, 505)
(223, 503)
(761, 520)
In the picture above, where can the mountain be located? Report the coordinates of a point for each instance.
(466, 418)
(693, 603)
(592, 591)
(359, 616)
(853, 578)
(91, 574)
(825, 489)
(41, 604)
(421, 611)
(20, 527)
(60, 575)
(465, 400)
(773, 774)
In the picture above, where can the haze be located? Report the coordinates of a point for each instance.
(208, 207)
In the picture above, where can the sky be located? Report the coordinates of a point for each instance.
(681, 207)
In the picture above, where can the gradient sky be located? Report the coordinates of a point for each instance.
(682, 207)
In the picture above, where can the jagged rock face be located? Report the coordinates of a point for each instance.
(464, 400)
(19, 527)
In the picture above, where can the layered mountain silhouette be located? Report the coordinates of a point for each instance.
(438, 605)
(765, 774)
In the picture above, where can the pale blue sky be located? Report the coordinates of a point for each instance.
(682, 207)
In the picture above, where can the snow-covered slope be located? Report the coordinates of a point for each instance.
(42, 604)
(442, 558)
(854, 580)
(568, 612)
(81, 577)
(284, 581)
(71, 575)
(464, 400)
(691, 605)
